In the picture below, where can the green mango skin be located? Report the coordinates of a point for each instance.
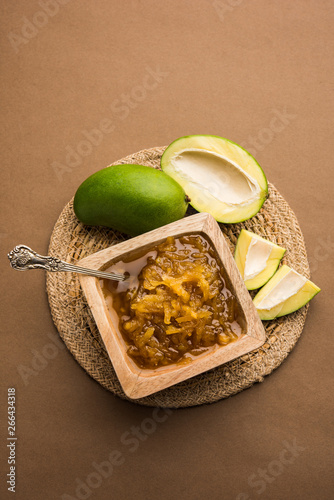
(132, 199)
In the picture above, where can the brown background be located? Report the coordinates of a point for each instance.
(226, 68)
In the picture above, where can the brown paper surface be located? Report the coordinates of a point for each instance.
(85, 83)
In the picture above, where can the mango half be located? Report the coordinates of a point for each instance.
(219, 176)
(130, 198)
(286, 292)
(257, 258)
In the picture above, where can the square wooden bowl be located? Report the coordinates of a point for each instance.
(137, 382)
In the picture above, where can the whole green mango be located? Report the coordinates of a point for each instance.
(130, 198)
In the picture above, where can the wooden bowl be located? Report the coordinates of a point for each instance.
(137, 382)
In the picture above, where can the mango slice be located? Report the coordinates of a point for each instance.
(257, 258)
(219, 176)
(286, 292)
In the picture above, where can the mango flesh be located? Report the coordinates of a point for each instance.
(269, 266)
(219, 176)
(132, 199)
(292, 303)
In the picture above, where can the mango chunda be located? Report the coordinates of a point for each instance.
(181, 306)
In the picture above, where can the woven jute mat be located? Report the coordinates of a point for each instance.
(71, 241)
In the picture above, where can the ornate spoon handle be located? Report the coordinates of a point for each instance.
(23, 258)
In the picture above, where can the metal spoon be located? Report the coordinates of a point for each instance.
(23, 258)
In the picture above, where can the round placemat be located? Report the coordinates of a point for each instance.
(71, 241)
